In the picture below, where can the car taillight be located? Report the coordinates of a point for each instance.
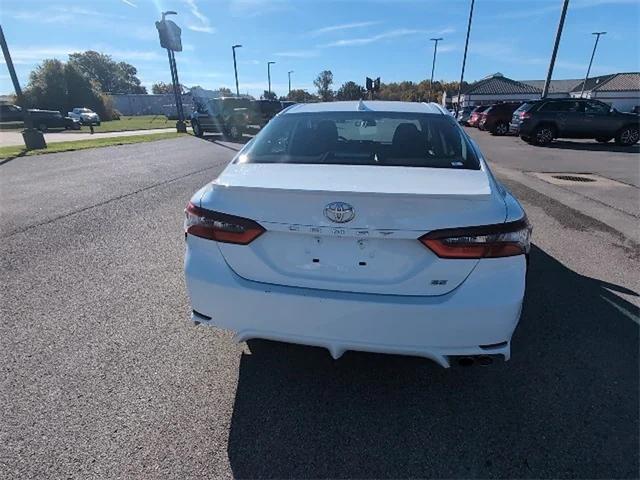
(488, 241)
(220, 227)
(524, 115)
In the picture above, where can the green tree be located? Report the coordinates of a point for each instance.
(225, 91)
(160, 88)
(323, 83)
(108, 76)
(267, 95)
(54, 85)
(301, 96)
(351, 91)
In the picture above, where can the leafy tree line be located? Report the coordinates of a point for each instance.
(403, 91)
(81, 82)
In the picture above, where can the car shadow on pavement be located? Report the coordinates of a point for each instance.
(593, 146)
(566, 405)
(222, 141)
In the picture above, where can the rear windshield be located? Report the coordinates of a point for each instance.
(524, 107)
(363, 138)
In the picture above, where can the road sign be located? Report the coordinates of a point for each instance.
(170, 35)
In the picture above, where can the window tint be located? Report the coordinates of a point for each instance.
(363, 138)
(596, 107)
(524, 107)
(569, 106)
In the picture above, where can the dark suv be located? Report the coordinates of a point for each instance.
(496, 118)
(44, 120)
(226, 115)
(541, 121)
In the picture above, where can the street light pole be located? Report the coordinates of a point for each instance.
(235, 67)
(464, 58)
(597, 34)
(289, 73)
(269, 74)
(433, 65)
(565, 5)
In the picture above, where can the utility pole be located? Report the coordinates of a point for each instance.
(552, 63)
(269, 74)
(289, 73)
(597, 34)
(33, 139)
(433, 65)
(235, 67)
(464, 58)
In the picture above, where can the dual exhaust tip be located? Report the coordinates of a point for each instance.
(481, 360)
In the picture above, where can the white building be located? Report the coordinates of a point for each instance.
(620, 90)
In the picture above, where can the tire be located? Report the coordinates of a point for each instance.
(603, 139)
(234, 132)
(543, 135)
(197, 129)
(627, 136)
(500, 129)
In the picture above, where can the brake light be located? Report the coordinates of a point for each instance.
(488, 241)
(220, 227)
(524, 115)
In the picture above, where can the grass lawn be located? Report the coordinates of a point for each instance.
(143, 122)
(19, 151)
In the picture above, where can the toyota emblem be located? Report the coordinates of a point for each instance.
(339, 212)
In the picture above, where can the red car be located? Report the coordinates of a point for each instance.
(476, 115)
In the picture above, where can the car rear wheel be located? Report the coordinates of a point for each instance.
(197, 129)
(543, 135)
(500, 129)
(602, 139)
(628, 136)
(234, 132)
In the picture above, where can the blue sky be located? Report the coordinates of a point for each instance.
(354, 39)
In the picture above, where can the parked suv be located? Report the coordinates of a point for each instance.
(541, 121)
(264, 110)
(476, 115)
(226, 115)
(43, 120)
(496, 118)
(85, 116)
(10, 113)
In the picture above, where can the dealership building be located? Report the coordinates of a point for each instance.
(620, 90)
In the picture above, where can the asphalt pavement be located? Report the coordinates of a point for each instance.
(104, 377)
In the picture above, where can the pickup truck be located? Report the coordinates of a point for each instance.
(85, 116)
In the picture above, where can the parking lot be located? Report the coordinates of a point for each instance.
(104, 376)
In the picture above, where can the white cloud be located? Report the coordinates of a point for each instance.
(344, 26)
(203, 24)
(298, 54)
(130, 3)
(402, 32)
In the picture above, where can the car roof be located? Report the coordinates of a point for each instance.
(366, 106)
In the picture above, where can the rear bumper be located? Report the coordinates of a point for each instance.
(483, 311)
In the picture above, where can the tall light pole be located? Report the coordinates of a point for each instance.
(269, 73)
(289, 73)
(235, 67)
(433, 65)
(597, 34)
(464, 58)
(547, 83)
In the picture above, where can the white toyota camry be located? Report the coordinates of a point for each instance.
(371, 226)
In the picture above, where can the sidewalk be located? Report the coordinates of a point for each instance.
(14, 138)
